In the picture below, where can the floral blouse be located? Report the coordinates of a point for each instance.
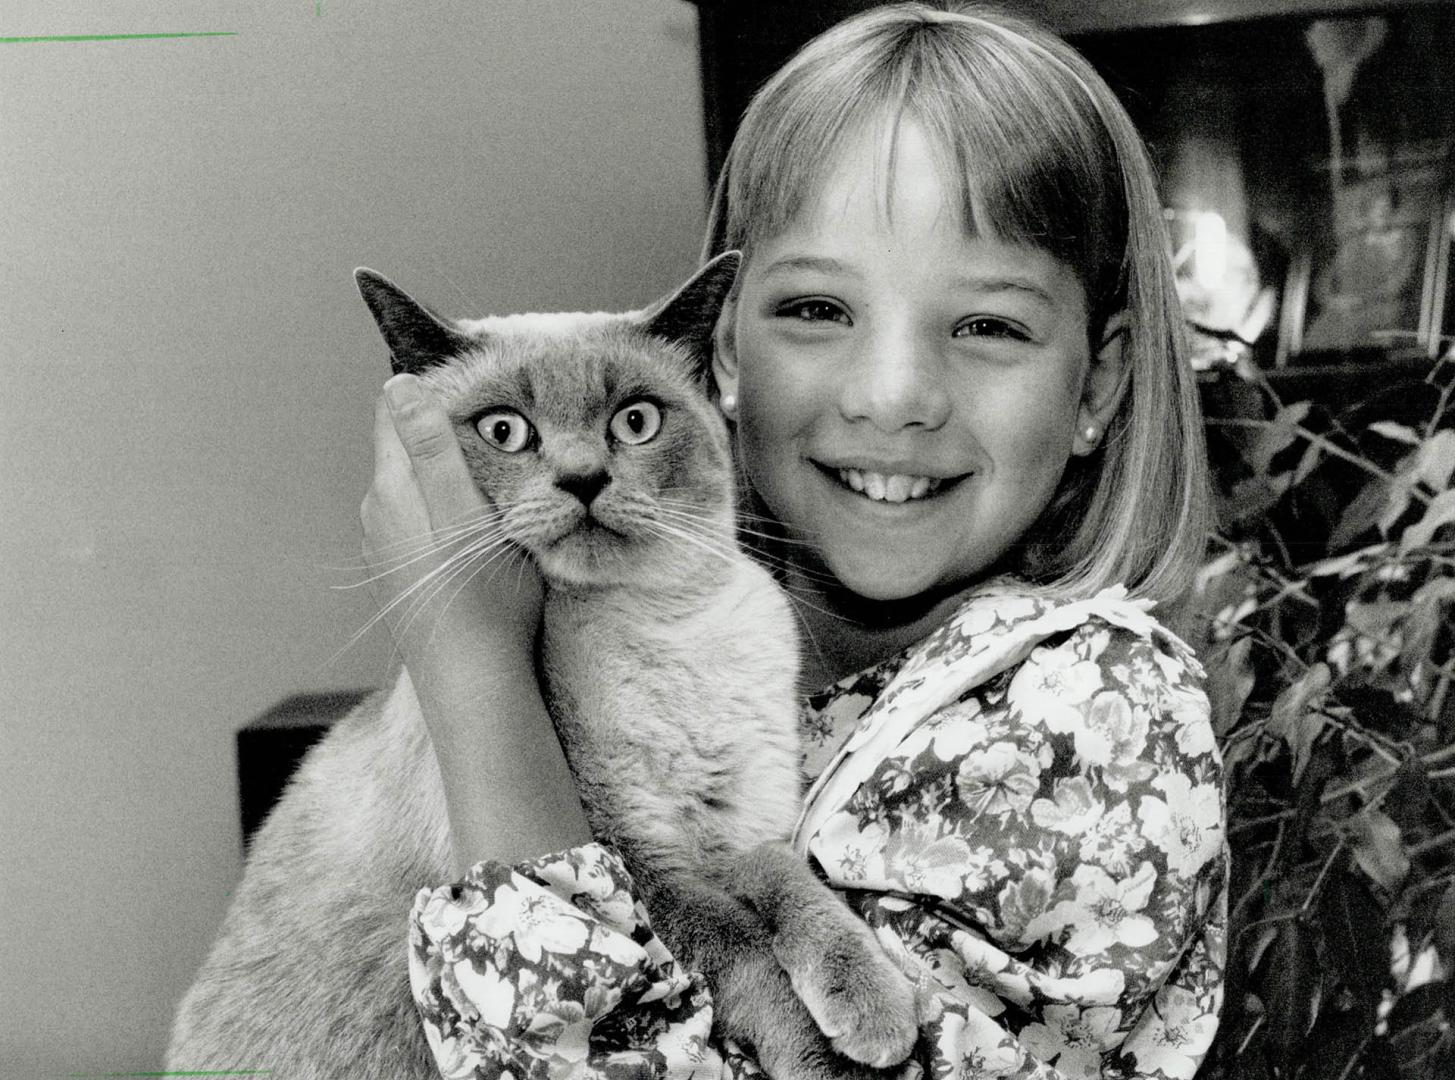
(1026, 807)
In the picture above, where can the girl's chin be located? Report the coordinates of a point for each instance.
(889, 599)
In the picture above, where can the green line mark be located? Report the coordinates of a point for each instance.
(124, 37)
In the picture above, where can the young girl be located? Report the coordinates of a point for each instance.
(953, 365)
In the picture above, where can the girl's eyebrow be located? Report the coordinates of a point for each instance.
(822, 263)
(826, 264)
(1005, 284)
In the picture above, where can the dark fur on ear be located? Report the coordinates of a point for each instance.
(417, 337)
(689, 315)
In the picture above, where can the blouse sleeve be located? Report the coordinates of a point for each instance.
(1046, 857)
(551, 968)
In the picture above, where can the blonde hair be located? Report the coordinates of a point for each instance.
(1038, 151)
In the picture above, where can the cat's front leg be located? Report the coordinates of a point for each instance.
(856, 995)
(755, 1003)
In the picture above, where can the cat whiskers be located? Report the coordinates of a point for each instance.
(697, 538)
(693, 519)
(797, 595)
(757, 553)
(483, 539)
(741, 517)
(412, 549)
(466, 562)
(468, 572)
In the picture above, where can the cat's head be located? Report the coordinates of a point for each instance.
(591, 435)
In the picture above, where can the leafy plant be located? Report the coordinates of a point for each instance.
(1328, 630)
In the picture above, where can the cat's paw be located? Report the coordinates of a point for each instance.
(861, 1002)
(758, 1008)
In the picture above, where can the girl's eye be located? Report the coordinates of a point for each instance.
(988, 327)
(636, 422)
(815, 311)
(505, 429)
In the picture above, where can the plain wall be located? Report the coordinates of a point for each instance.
(186, 384)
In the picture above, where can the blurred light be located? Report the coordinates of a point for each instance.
(1209, 249)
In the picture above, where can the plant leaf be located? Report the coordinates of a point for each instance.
(1312, 455)
(1376, 618)
(1378, 847)
(1361, 515)
(1416, 1007)
(1295, 717)
(1254, 496)
(1435, 459)
(1337, 1039)
(1355, 933)
(1292, 988)
(1409, 795)
(1435, 591)
(1441, 511)
(1395, 506)
(1379, 710)
(1275, 435)
(1229, 682)
(1398, 432)
(1444, 928)
(1354, 562)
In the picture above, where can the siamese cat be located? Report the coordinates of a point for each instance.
(668, 663)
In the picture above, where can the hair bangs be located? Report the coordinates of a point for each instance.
(1000, 139)
(1027, 152)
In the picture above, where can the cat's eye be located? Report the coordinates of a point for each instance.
(505, 429)
(636, 422)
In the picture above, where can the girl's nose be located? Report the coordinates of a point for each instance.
(895, 383)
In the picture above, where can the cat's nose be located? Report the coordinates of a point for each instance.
(585, 486)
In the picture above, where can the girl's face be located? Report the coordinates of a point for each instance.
(907, 397)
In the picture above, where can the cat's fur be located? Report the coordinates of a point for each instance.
(668, 664)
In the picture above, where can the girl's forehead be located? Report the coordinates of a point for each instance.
(881, 172)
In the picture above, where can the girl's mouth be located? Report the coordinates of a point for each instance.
(890, 487)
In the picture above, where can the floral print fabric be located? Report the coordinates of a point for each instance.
(1026, 807)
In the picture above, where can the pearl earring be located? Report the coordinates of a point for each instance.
(729, 405)
(1091, 433)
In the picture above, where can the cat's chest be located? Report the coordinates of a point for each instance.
(735, 644)
(698, 704)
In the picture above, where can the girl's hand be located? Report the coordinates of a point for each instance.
(468, 639)
(449, 589)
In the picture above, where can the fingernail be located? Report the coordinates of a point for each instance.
(400, 392)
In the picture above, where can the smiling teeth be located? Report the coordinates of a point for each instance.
(895, 488)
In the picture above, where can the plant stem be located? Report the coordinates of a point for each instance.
(1323, 872)
(1328, 447)
(1257, 1023)
(1355, 459)
(1437, 698)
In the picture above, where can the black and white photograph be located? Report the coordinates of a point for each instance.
(727, 539)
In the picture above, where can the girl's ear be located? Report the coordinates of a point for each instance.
(725, 349)
(1105, 384)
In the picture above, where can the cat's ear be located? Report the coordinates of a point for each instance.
(417, 337)
(689, 315)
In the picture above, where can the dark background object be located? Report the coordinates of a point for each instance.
(270, 748)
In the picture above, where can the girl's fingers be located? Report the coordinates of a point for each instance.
(390, 460)
(393, 511)
(426, 437)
